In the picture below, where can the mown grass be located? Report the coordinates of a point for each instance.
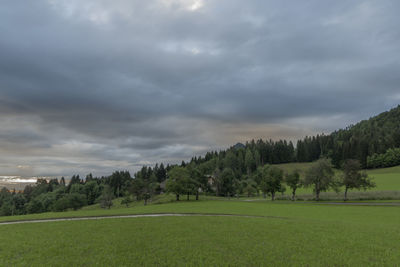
(302, 234)
(257, 208)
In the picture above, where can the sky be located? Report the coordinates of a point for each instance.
(97, 85)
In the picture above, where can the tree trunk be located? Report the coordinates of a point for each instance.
(317, 190)
(293, 194)
(264, 195)
(177, 197)
(187, 196)
(197, 195)
(273, 196)
(345, 194)
(145, 201)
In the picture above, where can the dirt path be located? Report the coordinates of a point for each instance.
(136, 216)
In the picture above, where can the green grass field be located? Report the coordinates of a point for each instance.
(285, 234)
(289, 235)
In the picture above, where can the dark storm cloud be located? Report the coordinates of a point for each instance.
(97, 86)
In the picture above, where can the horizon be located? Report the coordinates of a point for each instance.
(94, 87)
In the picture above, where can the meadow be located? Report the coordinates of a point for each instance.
(292, 234)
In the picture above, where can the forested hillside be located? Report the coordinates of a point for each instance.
(360, 141)
(368, 137)
(237, 170)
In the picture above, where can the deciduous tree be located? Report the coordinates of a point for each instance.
(321, 176)
(271, 180)
(353, 177)
(293, 181)
(177, 182)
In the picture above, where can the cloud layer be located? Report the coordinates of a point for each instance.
(94, 86)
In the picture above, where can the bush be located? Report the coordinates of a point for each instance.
(76, 200)
(126, 200)
(389, 159)
(61, 204)
(70, 201)
(107, 197)
(6, 209)
(35, 206)
(47, 201)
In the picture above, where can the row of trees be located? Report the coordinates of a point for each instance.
(321, 177)
(269, 180)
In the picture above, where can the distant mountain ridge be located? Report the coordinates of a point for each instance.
(238, 146)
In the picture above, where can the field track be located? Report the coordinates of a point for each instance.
(138, 216)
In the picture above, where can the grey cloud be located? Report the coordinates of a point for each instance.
(117, 85)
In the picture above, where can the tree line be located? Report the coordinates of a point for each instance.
(190, 179)
(56, 195)
(269, 180)
(60, 195)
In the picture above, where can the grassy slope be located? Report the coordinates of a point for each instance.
(307, 234)
(387, 179)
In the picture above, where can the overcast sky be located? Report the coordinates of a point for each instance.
(99, 85)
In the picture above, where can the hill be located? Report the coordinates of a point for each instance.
(373, 136)
(232, 171)
(365, 139)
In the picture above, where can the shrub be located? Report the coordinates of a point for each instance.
(388, 159)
